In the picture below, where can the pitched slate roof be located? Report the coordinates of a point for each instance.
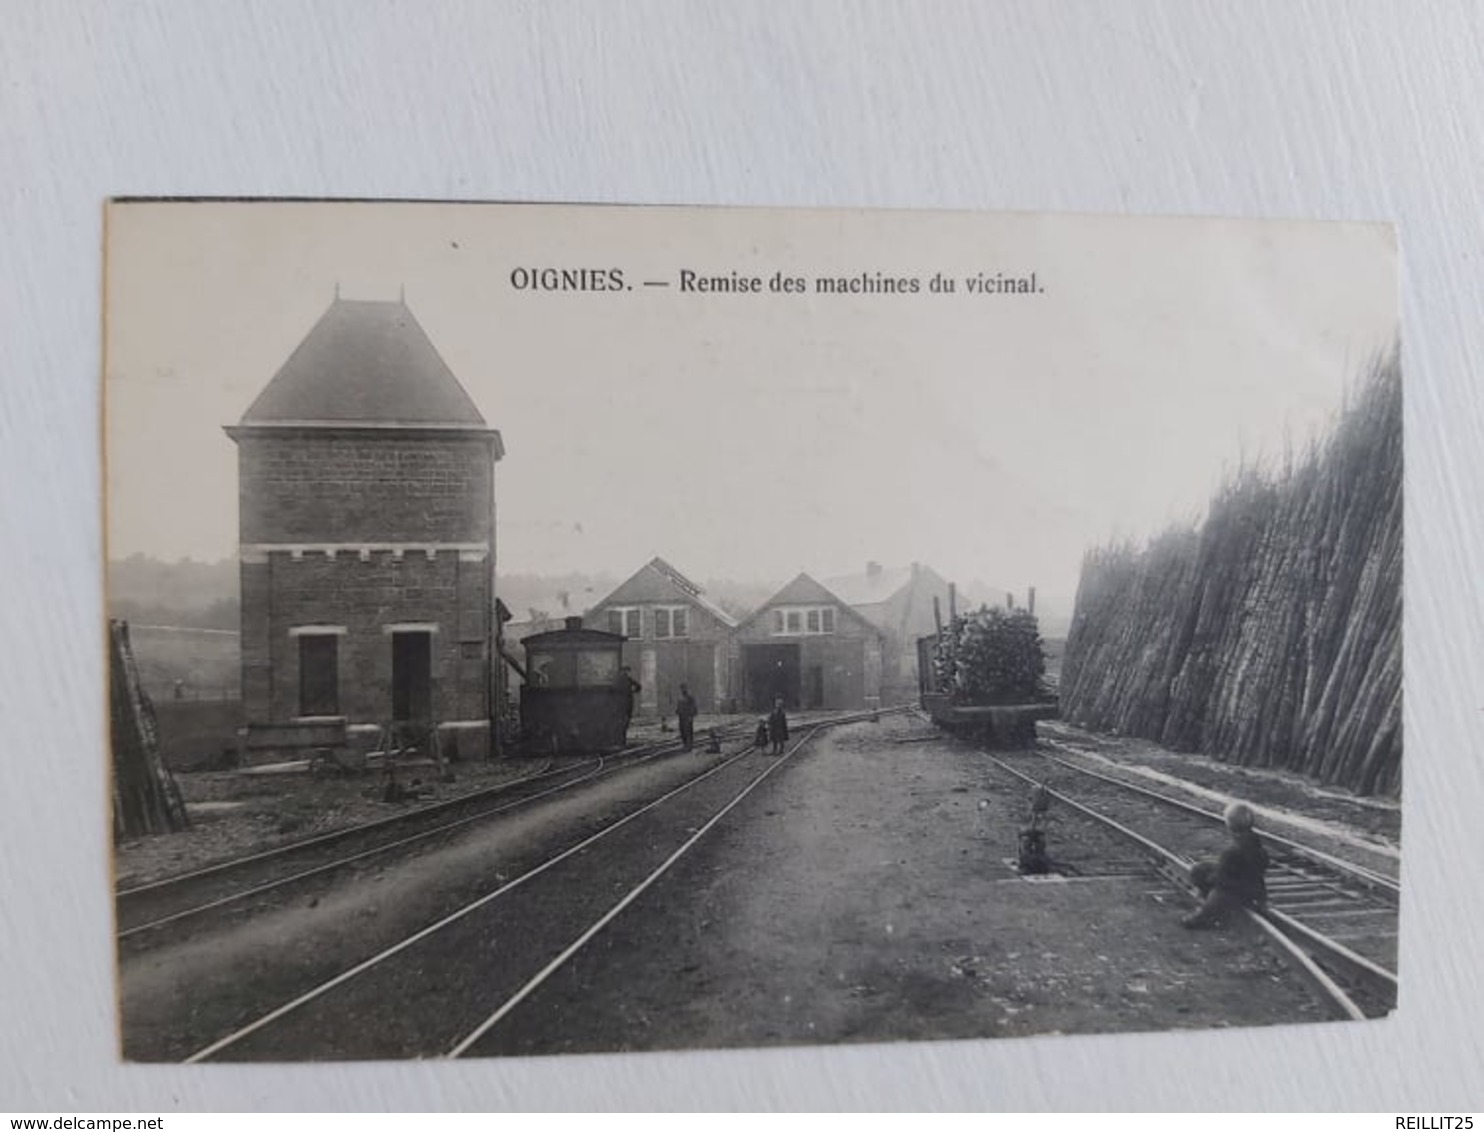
(365, 363)
(657, 580)
(898, 600)
(804, 590)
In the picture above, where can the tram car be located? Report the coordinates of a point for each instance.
(574, 699)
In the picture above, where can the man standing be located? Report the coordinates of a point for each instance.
(685, 714)
(626, 684)
(778, 727)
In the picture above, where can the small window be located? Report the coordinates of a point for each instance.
(319, 674)
(625, 621)
(471, 650)
(669, 621)
(596, 668)
(777, 620)
(812, 620)
(827, 619)
(794, 621)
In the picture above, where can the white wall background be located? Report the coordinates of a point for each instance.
(1356, 110)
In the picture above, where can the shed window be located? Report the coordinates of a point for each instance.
(670, 621)
(805, 620)
(625, 622)
(319, 674)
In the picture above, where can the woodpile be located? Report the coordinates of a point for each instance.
(992, 656)
(145, 796)
(1270, 635)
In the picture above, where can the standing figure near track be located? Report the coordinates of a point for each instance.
(1235, 879)
(625, 683)
(685, 716)
(778, 726)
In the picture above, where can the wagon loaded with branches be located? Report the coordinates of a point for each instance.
(984, 677)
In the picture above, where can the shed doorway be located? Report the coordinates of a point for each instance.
(412, 676)
(814, 687)
(771, 672)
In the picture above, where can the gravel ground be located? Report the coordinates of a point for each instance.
(183, 992)
(1373, 822)
(233, 814)
(864, 892)
(864, 895)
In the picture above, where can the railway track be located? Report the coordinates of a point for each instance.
(409, 1000)
(143, 911)
(1336, 919)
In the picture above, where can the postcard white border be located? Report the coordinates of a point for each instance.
(1337, 110)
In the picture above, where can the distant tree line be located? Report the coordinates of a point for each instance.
(221, 614)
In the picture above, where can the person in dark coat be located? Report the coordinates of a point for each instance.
(760, 738)
(685, 716)
(1235, 879)
(628, 685)
(778, 727)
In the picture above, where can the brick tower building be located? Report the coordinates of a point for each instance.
(366, 486)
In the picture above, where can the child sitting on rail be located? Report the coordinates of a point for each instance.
(1235, 879)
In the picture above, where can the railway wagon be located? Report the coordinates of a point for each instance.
(574, 699)
(1000, 726)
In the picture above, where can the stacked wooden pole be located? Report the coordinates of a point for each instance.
(145, 796)
(1270, 635)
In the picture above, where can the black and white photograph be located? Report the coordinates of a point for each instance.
(570, 629)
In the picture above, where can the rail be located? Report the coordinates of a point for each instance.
(589, 932)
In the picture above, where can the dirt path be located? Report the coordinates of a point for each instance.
(863, 894)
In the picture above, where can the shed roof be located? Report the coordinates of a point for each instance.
(565, 638)
(365, 362)
(804, 590)
(657, 580)
(870, 587)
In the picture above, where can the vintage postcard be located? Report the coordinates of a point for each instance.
(541, 629)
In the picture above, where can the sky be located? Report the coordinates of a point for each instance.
(750, 436)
